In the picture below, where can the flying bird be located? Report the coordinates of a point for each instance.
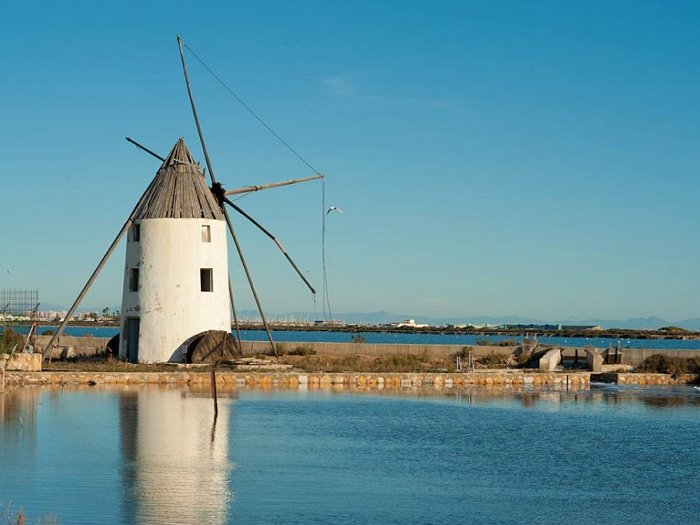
(334, 208)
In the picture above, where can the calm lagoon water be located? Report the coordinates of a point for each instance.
(401, 338)
(154, 455)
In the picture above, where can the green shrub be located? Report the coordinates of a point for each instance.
(400, 363)
(493, 360)
(676, 366)
(302, 350)
(8, 339)
(462, 354)
(523, 358)
(358, 338)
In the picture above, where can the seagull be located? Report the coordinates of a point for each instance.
(334, 208)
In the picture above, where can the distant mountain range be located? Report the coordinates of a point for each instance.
(383, 317)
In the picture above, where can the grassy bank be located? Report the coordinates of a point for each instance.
(675, 366)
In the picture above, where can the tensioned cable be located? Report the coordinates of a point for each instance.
(326, 299)
(250, 110)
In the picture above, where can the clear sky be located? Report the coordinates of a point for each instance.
(492, 158)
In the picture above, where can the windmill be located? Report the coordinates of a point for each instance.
(176, 283)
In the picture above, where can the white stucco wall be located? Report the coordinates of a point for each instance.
(169, 302)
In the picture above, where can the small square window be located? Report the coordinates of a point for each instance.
(136, 233)
(206, 233)
(206, 279)
(134, 280)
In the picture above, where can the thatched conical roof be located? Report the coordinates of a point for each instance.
(179, 190)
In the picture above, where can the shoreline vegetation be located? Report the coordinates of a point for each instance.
(668, 332)
(18, 517)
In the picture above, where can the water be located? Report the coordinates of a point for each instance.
(403, 338)
(153, 455)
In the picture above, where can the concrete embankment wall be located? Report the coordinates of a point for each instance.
(625, 378)
(636, 356)
(630, 356)
(489, 378)
(83, 345)
(375, 350)
(92, 345)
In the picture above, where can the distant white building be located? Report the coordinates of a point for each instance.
(409, 323)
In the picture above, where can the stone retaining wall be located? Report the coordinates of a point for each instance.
(304, 380)
(485, 378)
(21, 362)
(643, 379)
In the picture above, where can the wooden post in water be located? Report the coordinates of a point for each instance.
(213, 392)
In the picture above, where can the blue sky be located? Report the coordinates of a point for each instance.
(492, 158)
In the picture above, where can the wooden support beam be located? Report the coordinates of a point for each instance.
(144, 148)
(96, 272)
(235, 314)
(279, 244)
(250, 189)
(214, 182)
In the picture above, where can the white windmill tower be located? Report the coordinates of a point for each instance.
(176, 272)
(176, 282)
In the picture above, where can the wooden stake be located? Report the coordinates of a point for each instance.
(213, 392)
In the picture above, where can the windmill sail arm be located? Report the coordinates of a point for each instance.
(250, 189)
(278, 243)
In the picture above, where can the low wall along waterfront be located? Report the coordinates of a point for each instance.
(490, 378)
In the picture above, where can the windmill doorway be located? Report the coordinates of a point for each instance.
(132, 340)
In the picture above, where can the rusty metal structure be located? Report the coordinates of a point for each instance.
(23, 305)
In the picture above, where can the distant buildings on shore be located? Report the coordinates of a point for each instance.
(51, 316)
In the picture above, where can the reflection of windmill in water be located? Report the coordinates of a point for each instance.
(176, 465)
(177, 295)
